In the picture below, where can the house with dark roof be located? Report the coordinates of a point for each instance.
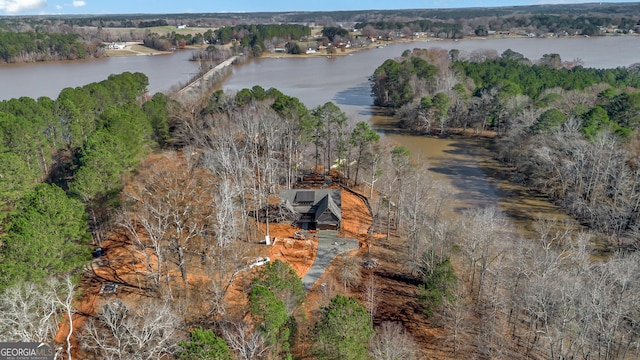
(316, 208)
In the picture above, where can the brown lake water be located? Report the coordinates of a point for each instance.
(475, 178)
(464, 163)
(48, 79)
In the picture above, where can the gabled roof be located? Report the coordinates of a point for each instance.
(313, 202)
(324, 204)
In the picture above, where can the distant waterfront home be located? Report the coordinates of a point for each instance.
(116, 46)
(317, 208)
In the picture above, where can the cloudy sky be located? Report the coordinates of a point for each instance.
(37, 7)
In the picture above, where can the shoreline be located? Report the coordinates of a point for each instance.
(349, 51)
(137, 49)
(134, 48)
(346, 51)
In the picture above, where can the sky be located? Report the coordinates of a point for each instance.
(98, 7)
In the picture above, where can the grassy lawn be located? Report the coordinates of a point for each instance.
(160, 30)
(135, 50)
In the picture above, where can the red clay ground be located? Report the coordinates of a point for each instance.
(300, 254)
(397, 292)
(114, 266)
(356, 221)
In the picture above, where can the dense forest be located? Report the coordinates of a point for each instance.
(106, 164)
(60, 156)
(251, 35)
(35, 46)
(24, 40)
(567, 132)
(534, 107)
(170, 189)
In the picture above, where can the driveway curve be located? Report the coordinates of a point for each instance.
(329, 246)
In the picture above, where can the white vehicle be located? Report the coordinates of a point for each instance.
(259, 262)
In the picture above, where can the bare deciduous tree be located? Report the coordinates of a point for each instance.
(482, 231)
(28, 313)
(246, 341)
(392, 342)
(369, 31)
(371, 293)
(161, 220)
(456, 319)
(350, 271)
(148, 331)
(64, 298)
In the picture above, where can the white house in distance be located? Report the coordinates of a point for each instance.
(116, 45)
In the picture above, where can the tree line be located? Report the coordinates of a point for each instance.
(152, 23)
(526, 103)
(63, 195)
(407, 29)
(621, 15)
(60, 156)
(187, 213)
(38, 46)
(512, 69)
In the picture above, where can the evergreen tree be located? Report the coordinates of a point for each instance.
(204, 345)
(343, 330)
(46, 236)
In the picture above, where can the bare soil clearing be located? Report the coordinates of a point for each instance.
(298, 253)
(356, 221)
(121, 264)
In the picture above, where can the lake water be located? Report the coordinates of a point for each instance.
(476, 180)
(464, 164)
(342, 79)
(48, 79)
